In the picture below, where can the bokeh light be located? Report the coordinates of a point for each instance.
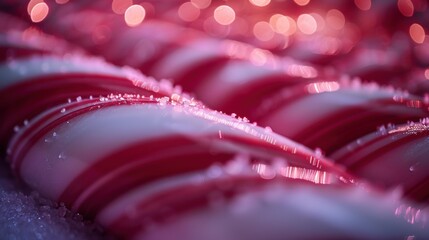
(260, 3)
(417, 33)
(363, 5)
(335, 19)
(283, 24)
(307, 24)
(224, 15)
(188, 12)
(279, 23)
(39, 12)
(406, 7)
(31, 5)
(120, 6)
(61, 1)
(201, 4)
(134, 15)
(263, 31)
(302, 2)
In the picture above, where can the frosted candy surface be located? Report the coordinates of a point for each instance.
(26, 215)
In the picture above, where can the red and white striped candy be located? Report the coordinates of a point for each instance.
(139, 47)
(34, 84)
(189, 65)
(95, 152)
(392, 157)
(145, 44)
(29, 42)
(197, 63)
(231, 76)
(328, 115)
(382, 64)
(237, 86)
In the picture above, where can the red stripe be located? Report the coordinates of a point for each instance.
(343, 130)
(278, 102)
(199, 73)
(150, 166)
(83, 81)
(18, 52)
(130, 154)
(31, 97)
(364, 160)
(248, 97)
(419, 192)
(185, 198)
(355, 122)
(148, 65)
(321, 133)
(147, 172)
(345, 155)
(45, 123)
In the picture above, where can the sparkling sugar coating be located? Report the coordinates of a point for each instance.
(24, 214)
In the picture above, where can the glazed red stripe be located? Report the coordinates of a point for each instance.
(60, 87)
(146, 147)
(344, 155)
(198, 158)
(165, 44)
(337, 118)
(280, 102)
(148, 66)
(60, 80)
(375, 140)
(37, 94)
(149, 172)
(419, 192)
(295, 158)
(199, 73)
(36, 131)
(24, 136)
(259, 89)
(313, 135)
(341, 127)
(51, 120)
(18, 52)
(371, 156)
(185, 198)
(136, 152)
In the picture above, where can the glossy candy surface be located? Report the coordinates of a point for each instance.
(402, 148)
